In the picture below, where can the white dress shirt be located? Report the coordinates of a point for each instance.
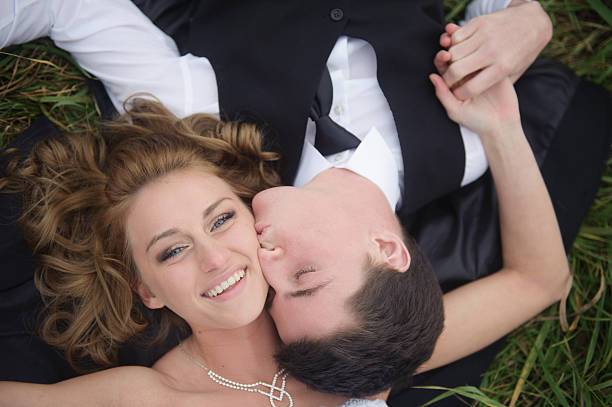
(114, 41)
(118, 44)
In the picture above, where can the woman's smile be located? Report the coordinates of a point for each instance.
(228, 288)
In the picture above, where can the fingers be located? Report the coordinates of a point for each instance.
(464, 67)
(465, 48)
(447, 62)
(451, 28)
(445, 38)
(445, 96)
(465, 32)
(441, 61)
(479, 83)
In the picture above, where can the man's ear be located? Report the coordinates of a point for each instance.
(148, 298)
(390, 250)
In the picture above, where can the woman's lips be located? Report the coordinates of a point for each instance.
(225, 290)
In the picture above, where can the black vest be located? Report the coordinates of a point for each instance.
(268, 57)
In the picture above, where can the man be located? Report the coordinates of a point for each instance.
(278, 51)
(423, 189)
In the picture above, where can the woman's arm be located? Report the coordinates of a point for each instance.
(114, 41)
(123, 386)
(535, 272)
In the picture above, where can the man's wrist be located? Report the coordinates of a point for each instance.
(540, 19)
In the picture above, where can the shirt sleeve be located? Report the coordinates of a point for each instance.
(481, 7)
(114, 41)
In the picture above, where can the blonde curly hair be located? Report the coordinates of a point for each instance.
(76, 191)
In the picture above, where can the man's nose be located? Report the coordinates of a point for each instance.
(272, 264)
(270, 253)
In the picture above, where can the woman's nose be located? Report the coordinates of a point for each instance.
(214, 256)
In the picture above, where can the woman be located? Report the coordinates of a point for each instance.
(102, 211)
(91, 209)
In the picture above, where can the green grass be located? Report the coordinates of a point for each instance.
(543, 363)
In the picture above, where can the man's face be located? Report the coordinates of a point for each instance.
(313, 255)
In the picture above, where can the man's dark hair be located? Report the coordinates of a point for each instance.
(399, 318)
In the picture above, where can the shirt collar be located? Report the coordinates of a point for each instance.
(372, 159)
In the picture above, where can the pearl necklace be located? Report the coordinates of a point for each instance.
(263, 388)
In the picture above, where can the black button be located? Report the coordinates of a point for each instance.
(336, 14)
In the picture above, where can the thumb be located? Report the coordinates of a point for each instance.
(445, 96)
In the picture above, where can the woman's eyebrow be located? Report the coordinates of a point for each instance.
(172, 231)
(162, 235)
(213, 206)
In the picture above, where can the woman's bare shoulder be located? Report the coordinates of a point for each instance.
(143, 386)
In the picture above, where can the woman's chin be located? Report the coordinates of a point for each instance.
(241, 305)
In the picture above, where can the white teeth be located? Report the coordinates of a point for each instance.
(233, 279)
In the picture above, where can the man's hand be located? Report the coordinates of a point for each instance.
(492, 47)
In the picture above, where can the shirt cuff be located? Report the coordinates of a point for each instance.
(481, 7)
(475, 158)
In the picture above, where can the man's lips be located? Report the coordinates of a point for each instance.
(260, 227)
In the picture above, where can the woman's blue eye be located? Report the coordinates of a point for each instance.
(171, 253)
(220, 221)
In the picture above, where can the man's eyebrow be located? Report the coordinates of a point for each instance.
(308, 291)
(172, 231)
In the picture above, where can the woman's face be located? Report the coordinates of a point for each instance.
(195, 246)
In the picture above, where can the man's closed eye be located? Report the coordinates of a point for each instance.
(308, 291)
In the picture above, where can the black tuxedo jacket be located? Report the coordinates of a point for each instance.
(268, 57)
